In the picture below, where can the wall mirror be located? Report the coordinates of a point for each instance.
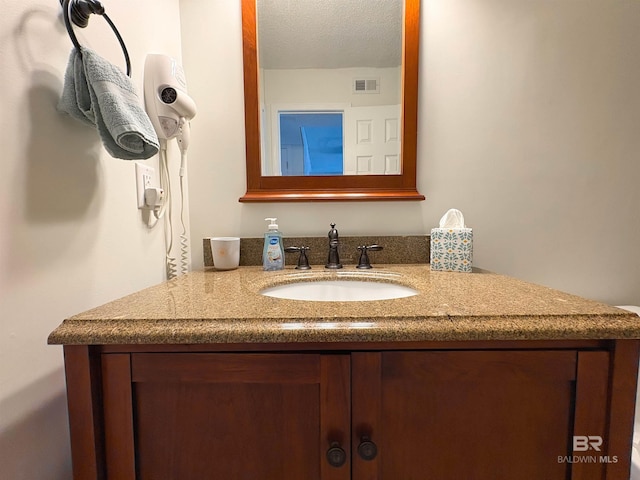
(330, 99)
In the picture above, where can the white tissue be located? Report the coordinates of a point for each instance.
(452, 219)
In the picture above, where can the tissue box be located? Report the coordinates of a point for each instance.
(452, 249)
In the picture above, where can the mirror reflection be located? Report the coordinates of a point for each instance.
(330, 86)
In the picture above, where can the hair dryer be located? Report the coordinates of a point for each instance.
(166, 100)
(170, 108)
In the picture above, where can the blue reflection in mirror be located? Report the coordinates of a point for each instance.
(311, 143)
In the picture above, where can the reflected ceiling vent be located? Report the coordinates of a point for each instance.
(366, 85)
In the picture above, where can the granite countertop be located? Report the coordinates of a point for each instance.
(225, 307)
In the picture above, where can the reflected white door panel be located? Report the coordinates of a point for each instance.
(372, 140)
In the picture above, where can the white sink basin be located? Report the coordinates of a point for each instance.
(339, 291)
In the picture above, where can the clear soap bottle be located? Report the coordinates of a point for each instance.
(273, 253)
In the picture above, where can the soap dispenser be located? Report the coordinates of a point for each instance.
(273, 253)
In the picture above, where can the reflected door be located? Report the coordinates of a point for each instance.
(372, 140)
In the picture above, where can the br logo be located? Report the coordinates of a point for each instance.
(582, 443)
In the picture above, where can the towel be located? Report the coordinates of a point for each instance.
(100, 95)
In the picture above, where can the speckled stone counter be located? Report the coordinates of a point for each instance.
(226, 307)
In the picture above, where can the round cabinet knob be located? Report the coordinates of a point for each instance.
(367, 449)
(336, 455)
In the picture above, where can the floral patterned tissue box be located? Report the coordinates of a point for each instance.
(452, 249)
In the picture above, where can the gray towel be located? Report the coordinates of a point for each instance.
(100, 95)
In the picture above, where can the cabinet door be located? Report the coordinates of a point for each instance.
(226, 416)
(448, 415)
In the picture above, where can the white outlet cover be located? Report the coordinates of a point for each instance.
(144, 179)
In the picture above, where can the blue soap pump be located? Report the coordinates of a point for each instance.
(273, 253)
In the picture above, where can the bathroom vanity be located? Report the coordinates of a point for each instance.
(478, 376)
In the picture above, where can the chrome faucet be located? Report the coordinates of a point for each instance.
(334, 258)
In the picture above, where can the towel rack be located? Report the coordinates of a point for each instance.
(78, 12)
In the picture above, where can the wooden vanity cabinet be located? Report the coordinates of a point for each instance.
(437, 410)
(475, 414)
(225, 415)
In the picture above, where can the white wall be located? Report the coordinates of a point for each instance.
(329, 85)
(71, 237)
(528, 123)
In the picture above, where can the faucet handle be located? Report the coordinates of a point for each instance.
(303, 261)
(364, 257)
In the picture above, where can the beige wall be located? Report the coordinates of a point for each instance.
(528, 119)
(71, 237)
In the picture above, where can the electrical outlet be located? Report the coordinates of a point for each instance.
(144, 179)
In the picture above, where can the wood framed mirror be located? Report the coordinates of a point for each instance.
(330, 187)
